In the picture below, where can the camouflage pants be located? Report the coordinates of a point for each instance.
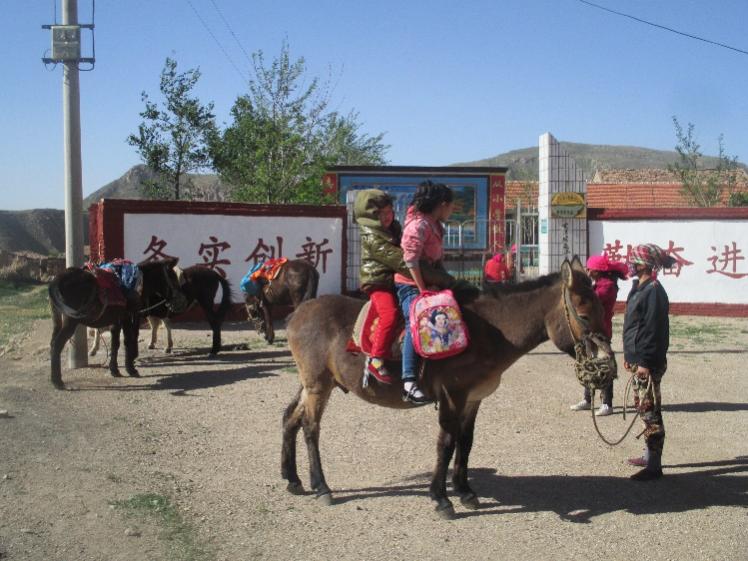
(648, 402)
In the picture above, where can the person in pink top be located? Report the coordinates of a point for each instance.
(605, 274)
(421, 241)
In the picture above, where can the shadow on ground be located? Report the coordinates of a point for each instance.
(200, 357)
(186, 381)
(703, 407)
(580, 499)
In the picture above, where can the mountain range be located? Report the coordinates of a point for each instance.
(42, 230)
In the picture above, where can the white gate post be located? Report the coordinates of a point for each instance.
(559, 237)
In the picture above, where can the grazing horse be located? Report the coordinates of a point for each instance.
(199, 285)
(504, 324)
(74, 299)
(296, 282)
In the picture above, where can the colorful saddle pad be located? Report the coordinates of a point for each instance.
(364, 329)
(269, 269)
(110, 291)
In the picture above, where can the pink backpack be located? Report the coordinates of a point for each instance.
(436, 325)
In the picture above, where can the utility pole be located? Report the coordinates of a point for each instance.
(71, 114)
(66, 49)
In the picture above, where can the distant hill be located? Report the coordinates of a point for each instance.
(523, 163)
(40, 231)
(205, 187)
(43, 230)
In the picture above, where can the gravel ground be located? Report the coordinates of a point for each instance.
(197, 442)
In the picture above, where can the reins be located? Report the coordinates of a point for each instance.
(589, 368)
(149, 308)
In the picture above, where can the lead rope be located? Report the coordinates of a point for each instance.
(629, 384)
(568, 309)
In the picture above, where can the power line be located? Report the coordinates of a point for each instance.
(228, 26)
(664, 27)
(220, 45)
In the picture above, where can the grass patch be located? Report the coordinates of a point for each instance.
(699, 333)
(19, 308)
(179, 534)
(290, 370)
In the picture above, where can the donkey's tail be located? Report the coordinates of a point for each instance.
(225, 304)
(311, 286)
(58, 300)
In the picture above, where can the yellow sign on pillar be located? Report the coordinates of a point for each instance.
(568, 205)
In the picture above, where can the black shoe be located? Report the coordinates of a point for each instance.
(416, 396)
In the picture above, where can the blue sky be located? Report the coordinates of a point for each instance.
(446, 81)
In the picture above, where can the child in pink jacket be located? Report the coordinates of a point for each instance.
(421, 241)
(605, 275)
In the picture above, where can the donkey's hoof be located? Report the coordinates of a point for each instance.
(295, 488)
(152, 346)
(325, 499)
(115, 372)
(167, 350)
(445, 512)
(92, 352)
(59, 384)
(470, 501)
(133, 372)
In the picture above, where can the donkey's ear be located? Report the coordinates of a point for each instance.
(576, 264)
(171, 262)
(566, 273)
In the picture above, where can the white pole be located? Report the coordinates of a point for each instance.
(78, 356)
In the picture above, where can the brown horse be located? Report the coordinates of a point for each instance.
(74, 300)
(296, 282)
(199, 285)
(504, 324)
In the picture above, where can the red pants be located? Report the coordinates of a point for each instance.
(385, 304)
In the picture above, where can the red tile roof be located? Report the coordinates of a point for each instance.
(618, 193)
(635, 195)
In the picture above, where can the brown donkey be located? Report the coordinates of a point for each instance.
(296, 282)
(74, 300)
(504, 324)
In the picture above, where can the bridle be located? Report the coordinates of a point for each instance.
(592, 371)
(166, 301)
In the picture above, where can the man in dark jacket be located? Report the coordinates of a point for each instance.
(646, 336)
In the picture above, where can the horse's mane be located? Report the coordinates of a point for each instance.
(545, 281)
(524, 286)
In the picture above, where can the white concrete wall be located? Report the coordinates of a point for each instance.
(559, 238)
(716, 272)
(184, 234)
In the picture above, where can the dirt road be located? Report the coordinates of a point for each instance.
(183, 463)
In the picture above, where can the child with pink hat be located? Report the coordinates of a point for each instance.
(605, 275)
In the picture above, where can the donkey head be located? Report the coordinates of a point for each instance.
(578, 313)
(255, 315)
(160, 283)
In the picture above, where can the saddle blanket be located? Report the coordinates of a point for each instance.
(364, 329)
(110, 291)
(269, 269)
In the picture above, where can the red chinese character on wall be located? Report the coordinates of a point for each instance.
(312, 252)
(729, 256)
(263, 252)
(210, 252)
(613, 251)
(156, 248)
(680, 262)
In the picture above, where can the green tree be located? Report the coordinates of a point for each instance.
(282, 136)
(174, 137)
(701, 186)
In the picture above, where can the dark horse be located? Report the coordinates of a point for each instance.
(504, 324)
(74, 299)
(199, 285)
(296, 282)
